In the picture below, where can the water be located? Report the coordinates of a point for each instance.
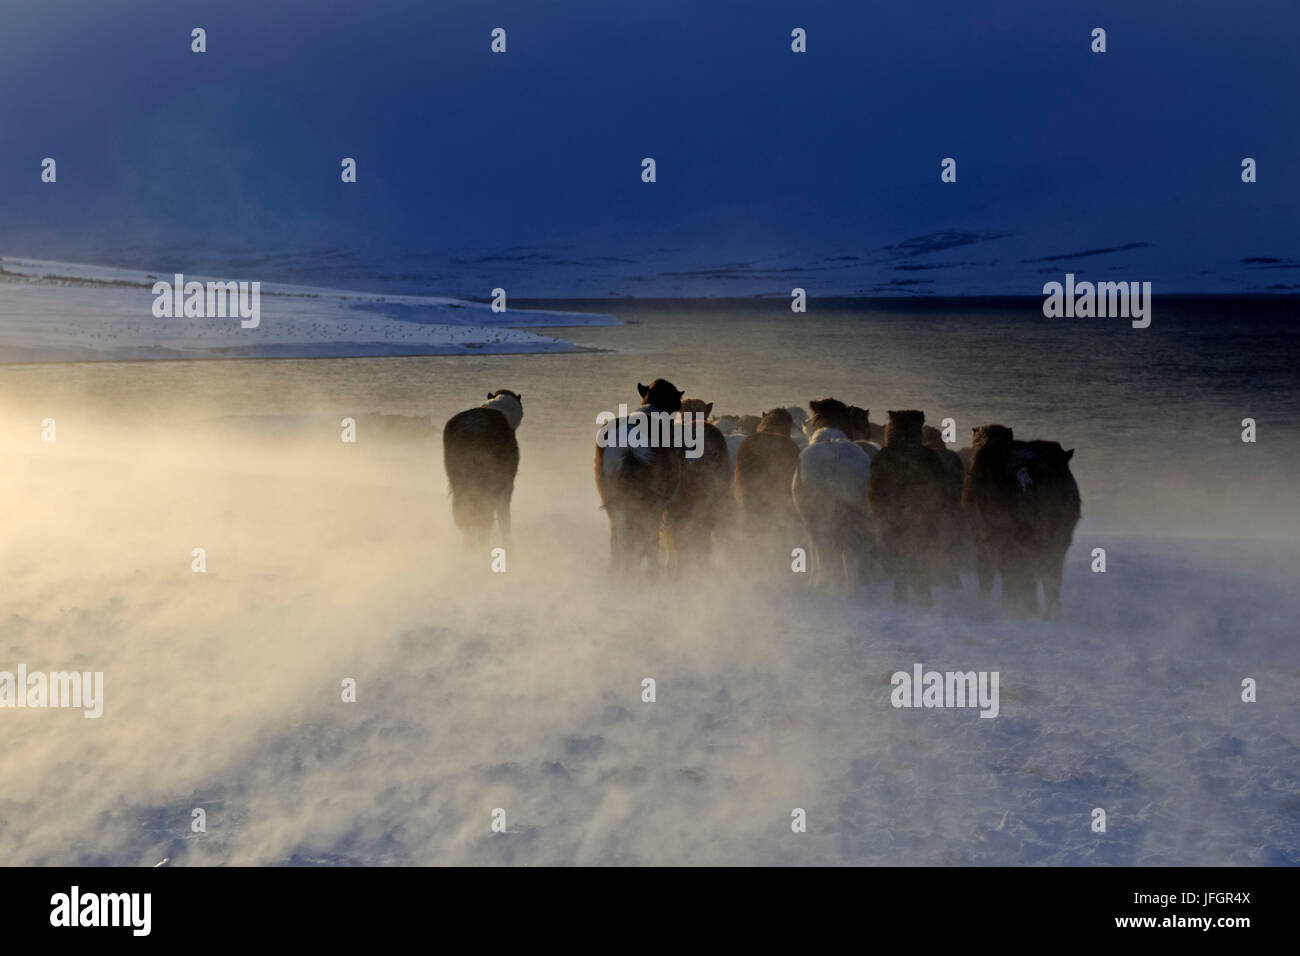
(1154, 415)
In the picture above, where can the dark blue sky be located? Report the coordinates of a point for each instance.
(775, 169)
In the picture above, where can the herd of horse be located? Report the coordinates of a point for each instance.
(857, 498)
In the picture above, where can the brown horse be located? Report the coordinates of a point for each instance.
(954, 546)
(906, 493)
(638, 472)
(765, 466)
(1056, 510)
(1023, 504)
(702, 509)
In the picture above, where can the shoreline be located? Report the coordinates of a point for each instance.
(53, 312)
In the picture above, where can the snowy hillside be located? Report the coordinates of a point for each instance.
(54, 311)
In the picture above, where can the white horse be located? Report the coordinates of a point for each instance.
(830, 493)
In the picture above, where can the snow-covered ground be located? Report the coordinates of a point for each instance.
(523, 690)
(55, 311)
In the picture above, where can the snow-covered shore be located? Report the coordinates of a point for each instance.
(61, 312)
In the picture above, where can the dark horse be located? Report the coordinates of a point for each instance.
(481, 456)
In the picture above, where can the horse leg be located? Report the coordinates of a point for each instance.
(503, 515)
(617, 542)
(921, 579)
(1052, 571)
(1018, 584)
(985, 566)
